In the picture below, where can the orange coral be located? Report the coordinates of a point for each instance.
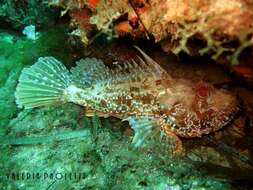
(93, 3)
(123, 27)
(81, 17)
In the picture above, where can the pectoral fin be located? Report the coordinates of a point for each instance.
(144, 128)
(147, 128)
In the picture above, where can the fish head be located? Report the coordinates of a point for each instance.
(213, 106)
(195, 109)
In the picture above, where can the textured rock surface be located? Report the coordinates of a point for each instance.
(221, 29)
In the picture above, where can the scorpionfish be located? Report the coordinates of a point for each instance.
(140, 91)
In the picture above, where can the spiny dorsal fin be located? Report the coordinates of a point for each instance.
(91, 71)
(151, 64)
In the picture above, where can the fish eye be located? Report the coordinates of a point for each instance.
(203, 90)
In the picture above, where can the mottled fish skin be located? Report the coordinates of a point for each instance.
(123, 94)
(145, 89)
(140, 89)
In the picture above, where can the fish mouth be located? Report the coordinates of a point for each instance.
(205, 128)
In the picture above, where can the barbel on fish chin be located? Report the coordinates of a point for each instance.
(140, 91)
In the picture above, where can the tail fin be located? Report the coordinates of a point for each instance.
(42, 83)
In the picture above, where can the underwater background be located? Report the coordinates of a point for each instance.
(59, 147)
